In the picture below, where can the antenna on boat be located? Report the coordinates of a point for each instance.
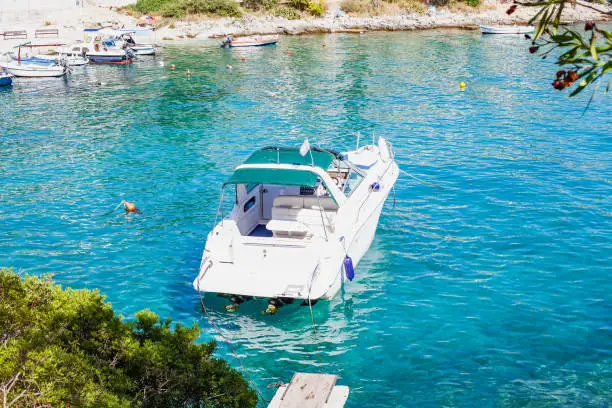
(358, 137)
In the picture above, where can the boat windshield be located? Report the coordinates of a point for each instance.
(354, 179)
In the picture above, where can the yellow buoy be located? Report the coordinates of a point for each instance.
(462, 86)
(188, 72)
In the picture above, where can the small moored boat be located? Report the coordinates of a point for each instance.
(253, 41)
(34, 70)
(515, 29)
(302, 220)
(6, 79)
(126, 40)
(107, 52)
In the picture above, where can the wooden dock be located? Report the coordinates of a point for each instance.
(311, 391)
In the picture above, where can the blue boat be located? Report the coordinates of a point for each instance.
(6, 79)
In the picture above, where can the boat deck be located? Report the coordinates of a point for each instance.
(260, 231)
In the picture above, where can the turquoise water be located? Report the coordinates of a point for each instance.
(493, 290)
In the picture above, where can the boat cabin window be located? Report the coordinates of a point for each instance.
(354, 179)
(247, 206)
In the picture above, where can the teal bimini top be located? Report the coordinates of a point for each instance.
(280, 155)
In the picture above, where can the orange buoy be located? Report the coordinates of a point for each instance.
(130, 207)
(242, 59)
(289, 52)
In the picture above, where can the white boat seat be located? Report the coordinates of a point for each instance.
(289, 202)
(327, 203)
(287, 228)
(305, 210)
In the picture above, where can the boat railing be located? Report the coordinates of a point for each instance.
(312, 277)
(370, 190)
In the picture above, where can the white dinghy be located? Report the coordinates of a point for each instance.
(515, 29)
(301, 221)
(252, 41)
(32, 70)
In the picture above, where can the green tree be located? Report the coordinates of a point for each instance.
(585, 57)
(68, 348)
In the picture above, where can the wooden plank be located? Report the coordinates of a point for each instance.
(46, 32)
(15, 34)
(308, 391)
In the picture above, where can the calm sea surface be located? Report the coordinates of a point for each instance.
(492, 291)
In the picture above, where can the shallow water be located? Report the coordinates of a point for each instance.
(493, 290)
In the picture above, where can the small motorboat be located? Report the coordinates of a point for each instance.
(6, 79)
(107, 52)
(33, 67)
(252, 41)
(71, 60)
(301, 221)
(34, 70)
(74, 55)
(514, 29)
(58, 59)
(126, 40)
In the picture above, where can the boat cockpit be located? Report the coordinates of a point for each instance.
(267, 209)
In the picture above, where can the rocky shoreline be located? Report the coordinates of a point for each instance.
(493, 13)
(70, 21)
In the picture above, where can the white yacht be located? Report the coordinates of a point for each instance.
(302, 219)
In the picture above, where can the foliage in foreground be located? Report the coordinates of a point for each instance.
(586, 57)
(67, 348)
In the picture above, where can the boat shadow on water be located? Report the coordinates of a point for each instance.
(303, 339)
(221, 307)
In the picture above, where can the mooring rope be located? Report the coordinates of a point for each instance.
(314, 325)
(227, 342)
(418, 179)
